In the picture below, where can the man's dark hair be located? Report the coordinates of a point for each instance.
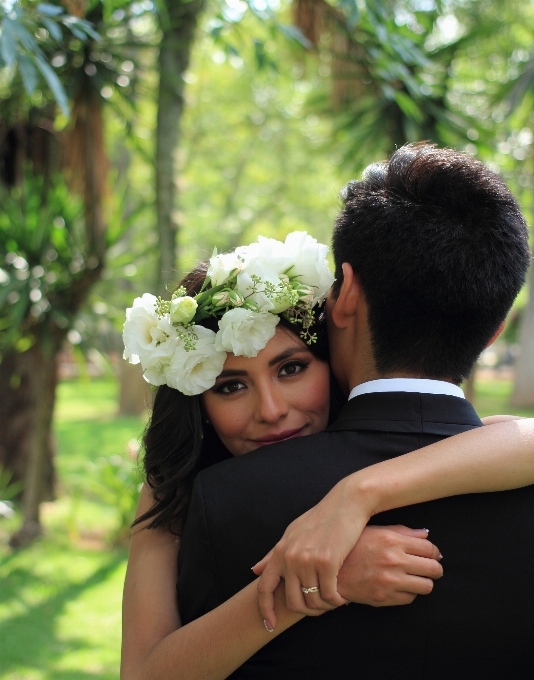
(441, 249)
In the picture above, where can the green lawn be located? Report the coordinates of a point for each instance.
(60, 598)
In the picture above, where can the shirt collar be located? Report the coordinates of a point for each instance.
(421, 385)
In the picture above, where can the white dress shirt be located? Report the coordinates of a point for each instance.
(421, 385)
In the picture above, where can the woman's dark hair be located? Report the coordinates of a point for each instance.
(178, 442)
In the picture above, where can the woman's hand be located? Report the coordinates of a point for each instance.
(311, 552)
(389, 566)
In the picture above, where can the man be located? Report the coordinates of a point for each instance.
(430, 251)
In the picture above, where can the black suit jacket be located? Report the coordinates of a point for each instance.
(477, 623)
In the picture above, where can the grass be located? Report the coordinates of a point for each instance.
(493, 396)
(60, 598)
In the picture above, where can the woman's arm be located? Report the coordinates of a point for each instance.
(155, 645)
(314, 546)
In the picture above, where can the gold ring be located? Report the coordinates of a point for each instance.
(313, 589)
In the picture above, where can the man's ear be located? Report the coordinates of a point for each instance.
(346, 302)
(497, 333)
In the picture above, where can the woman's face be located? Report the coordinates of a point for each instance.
(282, 393)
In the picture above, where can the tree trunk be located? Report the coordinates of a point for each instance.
(469, 386)
(28, 380)
(523, 394)
(178, 24)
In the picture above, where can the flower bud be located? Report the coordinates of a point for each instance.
(236, 299)
(183, 309)
(306, 293)
(251, 305)
(221, 299)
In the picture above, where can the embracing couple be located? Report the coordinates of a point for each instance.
(320, 449)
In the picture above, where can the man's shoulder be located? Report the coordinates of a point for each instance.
(271, 460)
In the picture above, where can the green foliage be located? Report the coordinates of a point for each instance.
(8, 489)
(43, 252)
(115, 482)
(29, 31)
(97, 461)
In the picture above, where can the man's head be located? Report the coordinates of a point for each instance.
(439, 249)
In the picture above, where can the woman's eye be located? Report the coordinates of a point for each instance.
(230, 387)
(293, 367)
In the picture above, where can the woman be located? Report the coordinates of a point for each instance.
(267, 375)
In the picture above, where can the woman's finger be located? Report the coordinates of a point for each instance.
(260, 566)
(328, 586)
(295, 600)
(310, 580)
(421, 566)
(420, 547)
(406, 531)
(417, 585)
(267, 584)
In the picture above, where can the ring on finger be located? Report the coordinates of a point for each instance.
(312, 589)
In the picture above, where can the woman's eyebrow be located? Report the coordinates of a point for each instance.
(231, 372)
(289, 352)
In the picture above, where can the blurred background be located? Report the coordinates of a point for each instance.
(134, 138)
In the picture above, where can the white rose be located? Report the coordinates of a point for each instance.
(268, 259)
(183, 309)
(140, 328)
(311, 266)
(156, 362)
(196, 371)
(245, 333)
(222, 266)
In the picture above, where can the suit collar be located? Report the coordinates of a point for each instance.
(407, 412)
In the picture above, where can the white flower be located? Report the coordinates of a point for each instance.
(195, 371)
(267, 259)
(140, 327)
(222, 266)
(310, 267)
(245, 333)
(156, 361)
(183, 309)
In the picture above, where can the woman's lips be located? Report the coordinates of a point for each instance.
(282, 436)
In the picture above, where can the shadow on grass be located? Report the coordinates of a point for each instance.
(30, 639)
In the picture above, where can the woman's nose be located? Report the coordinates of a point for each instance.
(271, 404)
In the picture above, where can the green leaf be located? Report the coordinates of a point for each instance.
(294, 33)
(351, 10)
(77, 33)
(49, 10)
(54, 84)
(408, 106)
(28, 73)
(53, 29)
(88, 28)
(9, 45)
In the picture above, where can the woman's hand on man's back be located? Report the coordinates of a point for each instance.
(389, 566)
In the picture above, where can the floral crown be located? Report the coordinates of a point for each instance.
(247, 290)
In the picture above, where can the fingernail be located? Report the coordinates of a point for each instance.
(440, 556)
(267, 626)
(427, 530)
